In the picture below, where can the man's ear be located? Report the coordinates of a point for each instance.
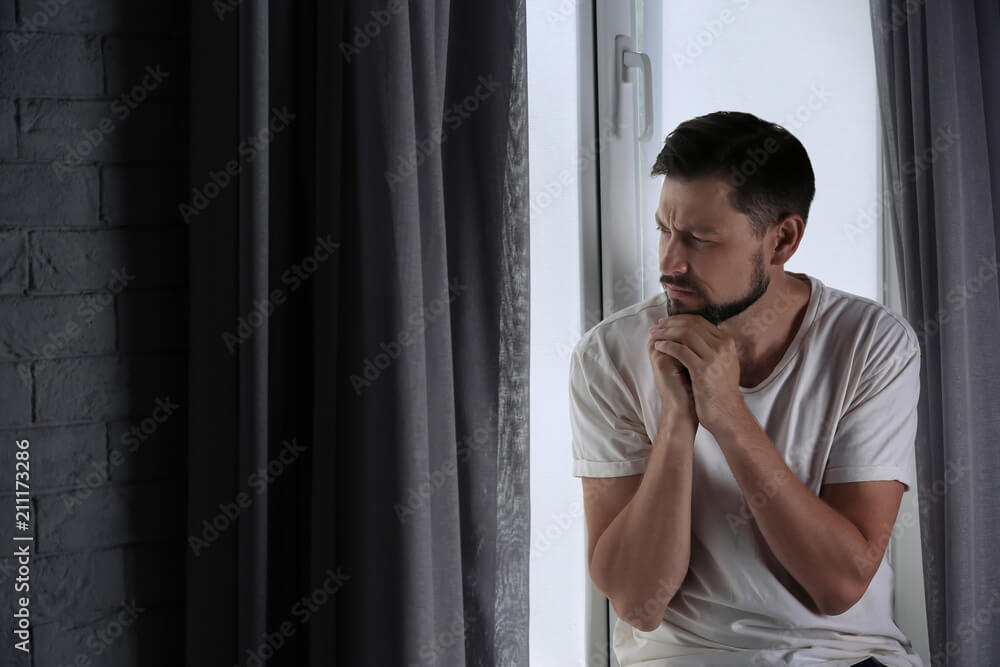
(787, 234)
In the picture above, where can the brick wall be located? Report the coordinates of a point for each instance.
(93, 308)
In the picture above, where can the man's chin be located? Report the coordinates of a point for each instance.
(675, 307)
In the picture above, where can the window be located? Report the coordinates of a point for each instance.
(593, 140)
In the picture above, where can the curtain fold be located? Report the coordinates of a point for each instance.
(359, 334)
(254, 199)
(938, 71)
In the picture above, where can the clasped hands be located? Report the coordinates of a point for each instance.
(688, 341)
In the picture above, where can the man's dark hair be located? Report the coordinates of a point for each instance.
(767, 168)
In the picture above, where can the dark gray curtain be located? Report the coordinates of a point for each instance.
(359, 334)
(938, 69)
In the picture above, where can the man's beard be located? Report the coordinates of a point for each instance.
(716, 313)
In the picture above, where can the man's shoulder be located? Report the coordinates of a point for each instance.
(868, 324)
(630, 318)
(622, 329)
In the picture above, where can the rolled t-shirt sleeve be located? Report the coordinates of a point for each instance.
(874, 438)
(608, 436)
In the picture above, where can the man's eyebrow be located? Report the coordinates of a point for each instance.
(703, 231)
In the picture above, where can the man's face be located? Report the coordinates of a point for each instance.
(706, 248)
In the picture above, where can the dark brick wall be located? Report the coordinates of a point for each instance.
(93, 322)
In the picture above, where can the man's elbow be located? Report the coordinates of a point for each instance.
(647, 614)
(646, 617)
(841, 599)
(651, 625)
(643, 610)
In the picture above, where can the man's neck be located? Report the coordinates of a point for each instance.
(765, 330)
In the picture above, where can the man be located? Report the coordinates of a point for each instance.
(744, 438)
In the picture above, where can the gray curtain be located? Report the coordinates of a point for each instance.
(938, 69)
(438, 141)
(390, 216)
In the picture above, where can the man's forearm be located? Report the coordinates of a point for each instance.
(818, 546)
(642, 556)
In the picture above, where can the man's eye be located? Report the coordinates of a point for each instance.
(664, 230)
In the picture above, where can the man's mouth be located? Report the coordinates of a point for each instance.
(678, 291)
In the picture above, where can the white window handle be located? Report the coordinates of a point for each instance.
(627, 60)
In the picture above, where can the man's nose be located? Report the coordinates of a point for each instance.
(673, 257)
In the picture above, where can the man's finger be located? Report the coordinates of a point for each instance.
(693, 320)
(690, 339)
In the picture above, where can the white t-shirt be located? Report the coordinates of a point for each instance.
(840, 406)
